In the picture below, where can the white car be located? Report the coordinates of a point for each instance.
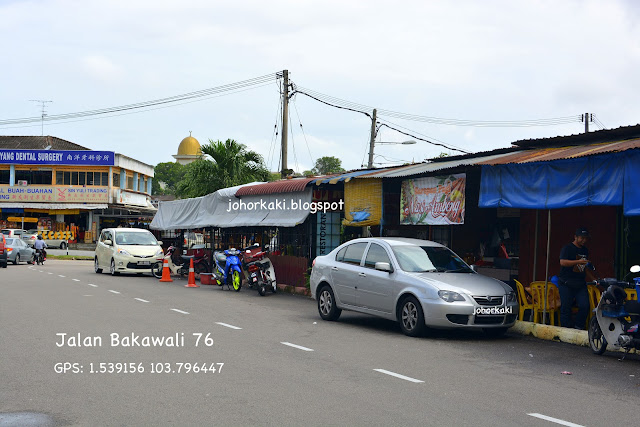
(127, 250)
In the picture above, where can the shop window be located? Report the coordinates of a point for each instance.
(90, 178)
(67, 178)
(130, 182)
(34, 177)
(59, 178)
(4, 177)
(82, 178)
(105, 179)
(116, 180)
(74, 178)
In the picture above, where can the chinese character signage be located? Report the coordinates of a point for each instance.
(436, 200)
(57, 157)
(54, 194)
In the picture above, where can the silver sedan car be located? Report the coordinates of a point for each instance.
(418, 283)
(18, 250)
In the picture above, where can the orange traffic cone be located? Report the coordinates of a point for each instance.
(191, 283)
(166, 273)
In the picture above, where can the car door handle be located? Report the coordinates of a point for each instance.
(334, 268)
(362, 275)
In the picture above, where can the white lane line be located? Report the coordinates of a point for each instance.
(91, 284)
(60, 275)
(297, 346)
(76, 280)
(227, 325)
(179, 311)
(115, 292)
(555, 420)
(48, 272)
(142, 300)
(393, 374)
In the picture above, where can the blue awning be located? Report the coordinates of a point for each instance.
(604, 180)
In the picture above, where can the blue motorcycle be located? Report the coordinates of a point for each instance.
(228, 268)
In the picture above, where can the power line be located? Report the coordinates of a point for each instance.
(313, 162)
(425, 140)
(268, 78)
(349, 105)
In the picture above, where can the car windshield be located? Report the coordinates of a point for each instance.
(6, 232)
(418, 259)
(135, 238)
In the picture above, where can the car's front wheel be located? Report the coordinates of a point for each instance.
(112, 268)
(96, 266)
(327, 304)
(411, 317)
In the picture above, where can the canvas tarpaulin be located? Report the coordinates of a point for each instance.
(607, 180)
(223, 209)
(363, 202)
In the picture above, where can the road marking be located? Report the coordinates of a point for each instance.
(91, 284)
(227, 325)
(49, 272)
(87, 295)
(115, 292)
(179, 311)
(75, 280)
(555, 420)
(393, 374)
(140, 299)
(297, 346)
(60, 275)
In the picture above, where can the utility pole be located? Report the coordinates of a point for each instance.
(586, 117)
(372, 141)
(285, 122)
(43, 102)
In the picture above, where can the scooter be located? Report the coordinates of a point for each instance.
(179, 269)
(260, 270)
(228, 268)
(615, 321)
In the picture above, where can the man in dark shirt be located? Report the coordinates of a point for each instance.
(574, 258)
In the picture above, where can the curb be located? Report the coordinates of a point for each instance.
(294, 290)
(551, 333)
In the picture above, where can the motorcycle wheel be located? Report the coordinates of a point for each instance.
(274, 288)
(156, 270)
(262, 290)
(597, 341)
(236, 281)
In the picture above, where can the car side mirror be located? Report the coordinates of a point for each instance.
(384, 266)
(159, 242)
(108, 242)
(473, 267)
(635, 269)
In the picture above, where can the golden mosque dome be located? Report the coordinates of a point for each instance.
(189, 147)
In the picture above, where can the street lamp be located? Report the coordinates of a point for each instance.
(371, 146)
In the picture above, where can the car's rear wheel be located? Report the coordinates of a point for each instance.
(411, 317)
(96, 266)
(327, 307)
(17, 260)
(63, 245)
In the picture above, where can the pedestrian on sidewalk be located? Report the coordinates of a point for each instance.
(574, 260)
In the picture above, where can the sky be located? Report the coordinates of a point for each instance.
(465, 60)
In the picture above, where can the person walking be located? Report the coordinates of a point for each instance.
(574, 260)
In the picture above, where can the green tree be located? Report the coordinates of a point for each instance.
(328, 165)
(274, 176)
(223, 164)
(169, 173)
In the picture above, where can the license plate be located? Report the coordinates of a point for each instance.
(253, 275)
(255, 279)
(144, 262)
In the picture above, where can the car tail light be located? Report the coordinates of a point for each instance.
(313, 263)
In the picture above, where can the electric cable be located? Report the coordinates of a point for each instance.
(303, 134)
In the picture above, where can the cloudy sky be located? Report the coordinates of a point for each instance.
(465, 60)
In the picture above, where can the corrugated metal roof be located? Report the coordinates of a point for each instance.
(558, 153)
(334, 179)
(421, 168)
(281, 186)
(37, 143)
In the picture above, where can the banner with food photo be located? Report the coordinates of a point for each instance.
(434, 200)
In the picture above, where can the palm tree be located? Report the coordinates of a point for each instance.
(223, 164)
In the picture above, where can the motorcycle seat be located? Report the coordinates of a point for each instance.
(186, 256)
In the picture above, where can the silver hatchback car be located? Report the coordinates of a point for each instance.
(418, 283)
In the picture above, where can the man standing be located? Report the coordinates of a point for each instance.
(574, 258)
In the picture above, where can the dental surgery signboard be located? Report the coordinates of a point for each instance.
(57, 157)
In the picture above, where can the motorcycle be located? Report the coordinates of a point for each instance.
(260, 270)
(40, 256)
(228, 268)
(615, 321)
(179, 269)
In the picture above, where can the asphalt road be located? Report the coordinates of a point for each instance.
(283, 365)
